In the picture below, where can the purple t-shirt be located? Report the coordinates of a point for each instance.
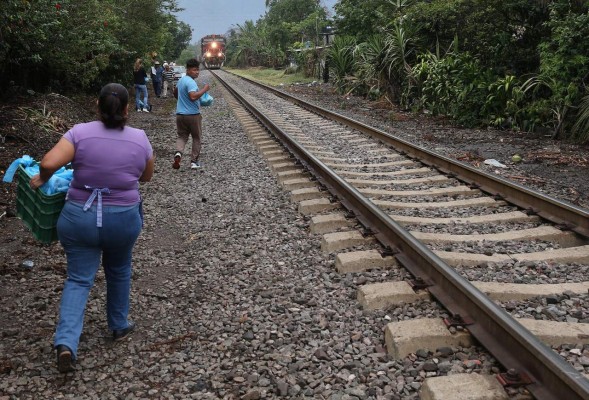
(108, 158)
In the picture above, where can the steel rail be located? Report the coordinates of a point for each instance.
(513, 345)
(566, 216)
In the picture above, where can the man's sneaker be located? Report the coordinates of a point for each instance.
(145, 110)
(65, 359)
(195, 165)
(123, 333)
(177, 159)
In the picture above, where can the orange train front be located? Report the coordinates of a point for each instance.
(213, 51)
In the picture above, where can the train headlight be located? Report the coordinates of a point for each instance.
(220, 54)
(214, 45)
(208, 54)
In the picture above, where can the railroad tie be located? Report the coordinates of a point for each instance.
(358, 261)
(463, 387)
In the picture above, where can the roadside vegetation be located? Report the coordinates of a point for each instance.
(509, 64)
(70, 45)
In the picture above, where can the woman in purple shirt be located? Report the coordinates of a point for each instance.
(101, 216)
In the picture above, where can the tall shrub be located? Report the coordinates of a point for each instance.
(341, 56)
(453, 85)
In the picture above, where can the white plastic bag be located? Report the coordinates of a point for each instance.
(494, 163)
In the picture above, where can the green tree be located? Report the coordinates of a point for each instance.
(288, 21)
(267, 41)
(508, 63)
(358, 18)
(189, 52)
(177, 38)
(72, 44)
(245, 44)
(501, 34)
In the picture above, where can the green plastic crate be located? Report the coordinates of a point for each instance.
(38, 210)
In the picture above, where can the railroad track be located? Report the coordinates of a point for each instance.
(379, 202)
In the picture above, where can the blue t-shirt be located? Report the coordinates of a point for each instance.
(185, 106)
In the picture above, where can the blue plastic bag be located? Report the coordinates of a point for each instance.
(24, 160)
(58, 183)
(206, 99)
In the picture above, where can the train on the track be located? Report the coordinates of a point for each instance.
(213, 51)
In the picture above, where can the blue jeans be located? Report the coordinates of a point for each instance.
(84, 244)
(139, 90)
(157, 87)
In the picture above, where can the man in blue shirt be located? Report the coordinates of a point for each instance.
(188, 118)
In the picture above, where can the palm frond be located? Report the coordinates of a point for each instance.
(580, 129)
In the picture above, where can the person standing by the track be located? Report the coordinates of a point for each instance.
(157, 79)
(139, 78)
(168, 77)
(188, 117)
(102, 216)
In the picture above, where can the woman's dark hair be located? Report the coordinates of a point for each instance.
(112, 102)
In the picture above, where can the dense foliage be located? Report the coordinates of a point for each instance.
(267, 42)
(73, 45)
(514, 64)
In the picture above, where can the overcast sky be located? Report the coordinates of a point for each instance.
(206, 17)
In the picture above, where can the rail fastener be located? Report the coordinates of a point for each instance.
(513, 378)
(368, 232)
(565, 226)
(350, 214)
(389, 251)
(531, 211)
(419, 283)
(457, 320)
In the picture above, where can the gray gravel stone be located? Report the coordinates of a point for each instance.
(232, 295)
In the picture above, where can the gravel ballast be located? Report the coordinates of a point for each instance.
(232, 295)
